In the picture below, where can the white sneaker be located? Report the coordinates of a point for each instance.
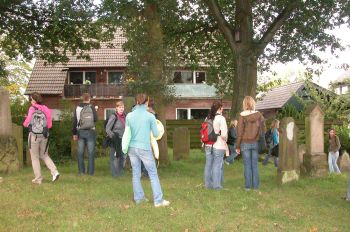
(162, 204)
(55, 177)
(36, 181)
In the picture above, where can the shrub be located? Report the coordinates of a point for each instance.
(343, 133)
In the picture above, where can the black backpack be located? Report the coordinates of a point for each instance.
(268, 136)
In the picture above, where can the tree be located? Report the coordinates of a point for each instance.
(257, 33)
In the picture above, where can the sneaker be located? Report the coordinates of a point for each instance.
(55, 177)
(36, 181)
(162, 204)
(144, 200)
(227, 163)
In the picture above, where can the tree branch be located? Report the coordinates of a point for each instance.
(275, 26)
(223, 25)
(201, 27)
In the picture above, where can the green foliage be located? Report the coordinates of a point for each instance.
(290, 111)
(343, 133)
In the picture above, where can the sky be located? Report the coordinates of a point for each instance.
(332, 69)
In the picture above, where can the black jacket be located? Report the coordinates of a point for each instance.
(232, 136)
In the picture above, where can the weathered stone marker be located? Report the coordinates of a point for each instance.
(8, 144)
(18, 134)
(344, 164)
(315, 160)
(181, 143)
(288, 163)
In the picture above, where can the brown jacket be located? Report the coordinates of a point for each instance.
(334, 144)
(248, 127)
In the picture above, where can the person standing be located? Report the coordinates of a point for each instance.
(274, 142)
(39, 121)
(231, 142)
(250, 126)
(115, 129)
(214, 154)
(333, 151)
(84, 130)
(141, 124)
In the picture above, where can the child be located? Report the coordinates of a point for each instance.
(333, 151)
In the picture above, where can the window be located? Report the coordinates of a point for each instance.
(189, 77)
(90, 76)
(109, 112)
(115, 77)
(183, 77)
(76, 77)
(184, 114)
(199, 77)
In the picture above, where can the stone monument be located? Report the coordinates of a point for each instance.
(181, 143)
(288, 163)
(315, 160)
(8, 144)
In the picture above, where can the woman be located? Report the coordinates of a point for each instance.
(115, 129)
(250, 126)
(333, 151)
(215, 153)
(39, 120)
(231, 142)
(141, 123)
(274, 142)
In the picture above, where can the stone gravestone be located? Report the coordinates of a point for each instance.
(288, 163)
(181, 143)
(344, 163)
(8, 144)
(18, 134)
(315, 160)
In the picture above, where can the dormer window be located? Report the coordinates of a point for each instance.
(81, 77)
(189, 77)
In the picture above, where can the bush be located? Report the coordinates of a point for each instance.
(343, 133)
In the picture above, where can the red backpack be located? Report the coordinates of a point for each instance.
(207, 132)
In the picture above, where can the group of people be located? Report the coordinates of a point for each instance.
(140, 122)
(240, 138)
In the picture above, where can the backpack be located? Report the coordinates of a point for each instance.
(268, 136)
(107, 119)
(38, 123)
(86, 120)
(207, 132)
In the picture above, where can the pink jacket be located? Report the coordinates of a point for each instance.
(44, 109)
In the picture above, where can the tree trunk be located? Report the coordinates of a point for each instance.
(245, 83)
(155, 64)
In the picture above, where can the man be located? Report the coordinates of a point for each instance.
(84, 120)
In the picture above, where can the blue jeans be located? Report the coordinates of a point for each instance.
(268, 156)
(117, 163)
(213, 174)
(250, 159)
(233, 154)
(86, 138)
(332, 162)
(136, 156)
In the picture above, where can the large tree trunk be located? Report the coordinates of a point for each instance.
(245, 83)
(155, 64)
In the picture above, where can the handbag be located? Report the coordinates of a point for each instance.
(345, 162)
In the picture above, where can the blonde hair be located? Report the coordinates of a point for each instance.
(233, 123)
(275, 123)
(248, 103)
(119, 103)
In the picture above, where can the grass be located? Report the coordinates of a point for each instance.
(101, 203)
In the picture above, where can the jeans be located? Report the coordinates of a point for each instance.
(268, 156)
(250, 160)
(332, 162)
(86, 138)
(143, 170)
(136, 156)
(117, 163)
(233, 154)
(213, 174)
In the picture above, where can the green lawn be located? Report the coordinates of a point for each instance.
(101, 203)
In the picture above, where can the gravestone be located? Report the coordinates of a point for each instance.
(315, 160)
(288, 162)
(181, 143)
(8, 144)
(344, 162)
(18, 134)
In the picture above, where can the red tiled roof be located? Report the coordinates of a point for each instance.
(277, 97)
(50, 79)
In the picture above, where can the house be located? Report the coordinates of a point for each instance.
(342, 84)
(276, 98)
(104, 73)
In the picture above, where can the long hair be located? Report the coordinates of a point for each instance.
(331, 129)
(248, 103)
(141, 98)
(274, 123)
(214, 108)
(37, 98)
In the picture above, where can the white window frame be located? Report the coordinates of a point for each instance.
(188, 111)
(105, 112)
(193, 75)
(113, 71)
(83, 75)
